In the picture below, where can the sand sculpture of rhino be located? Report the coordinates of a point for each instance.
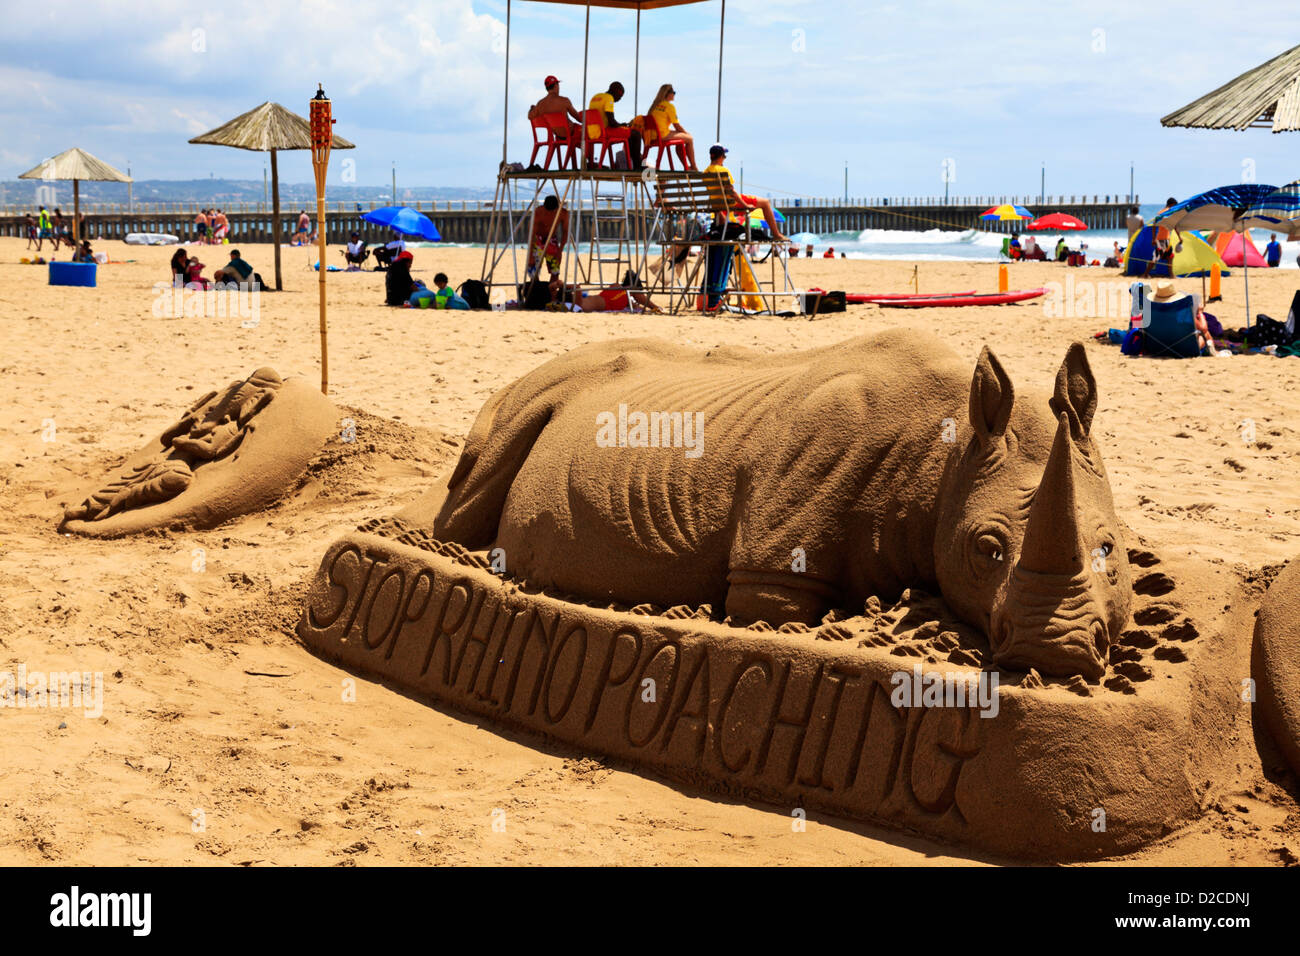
(784, 485)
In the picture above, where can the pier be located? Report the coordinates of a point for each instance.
(468, 221)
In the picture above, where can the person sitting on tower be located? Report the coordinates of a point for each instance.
(604, 102)
(553, 102)
(717, 153)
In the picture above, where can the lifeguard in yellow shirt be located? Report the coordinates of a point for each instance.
(604, 103)
(661, 126)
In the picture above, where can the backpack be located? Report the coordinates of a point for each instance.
(475, 293)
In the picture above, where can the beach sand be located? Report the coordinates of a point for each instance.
(223, 741)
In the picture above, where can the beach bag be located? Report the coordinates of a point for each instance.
(1132, 344)
(817, 302)
(534, 296)
(475, 293)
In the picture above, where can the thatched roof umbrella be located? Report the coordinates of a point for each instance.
(268, 128)
(1267, 96)
(76, 164)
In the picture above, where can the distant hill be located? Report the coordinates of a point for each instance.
(20, 191)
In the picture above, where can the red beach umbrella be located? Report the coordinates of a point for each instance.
(1057, 222)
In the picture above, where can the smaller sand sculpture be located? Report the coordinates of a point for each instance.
(232, 452)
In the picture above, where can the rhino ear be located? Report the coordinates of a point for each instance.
(991, 398)
(1076, 392)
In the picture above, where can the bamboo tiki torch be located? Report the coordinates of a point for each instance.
(322, 134)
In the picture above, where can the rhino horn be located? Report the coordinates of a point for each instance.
(1052, 543)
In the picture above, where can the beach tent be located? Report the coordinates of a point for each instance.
(1236, 248)
(268, 128)
(77, 165)
(1195, 258)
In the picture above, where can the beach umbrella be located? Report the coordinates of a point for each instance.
(1267, 96)
(756, 220)
(1057, 222)
(268, 128)
(1215, 209)
(404, 219)
(1007, 212)
(77, 165)
(1279, 211)
(1221, 210)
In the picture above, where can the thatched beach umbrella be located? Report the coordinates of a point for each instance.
(268, 128)
(1267, 96)
(76, 164)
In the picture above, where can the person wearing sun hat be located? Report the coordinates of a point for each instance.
(1167, 292)
(553, 102)
(717, 153)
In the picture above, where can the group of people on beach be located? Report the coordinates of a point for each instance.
(187, 272)
(212, 226)
(52, 226)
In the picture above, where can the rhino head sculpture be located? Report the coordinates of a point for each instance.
(1028, 546)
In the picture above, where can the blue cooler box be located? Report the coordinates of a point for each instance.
(73, 273)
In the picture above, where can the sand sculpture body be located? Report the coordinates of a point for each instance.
(232, 452)
(785, 485)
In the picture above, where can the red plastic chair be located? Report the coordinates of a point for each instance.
(677, 147)
(609, 138)
(556, 127)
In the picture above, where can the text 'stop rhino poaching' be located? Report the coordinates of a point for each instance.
(784, 485)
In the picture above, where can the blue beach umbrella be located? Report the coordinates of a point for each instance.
(1279, 211)
(1223, 210)
(1216, 209)
(404, 219)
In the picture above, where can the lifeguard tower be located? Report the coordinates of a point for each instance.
(621, 221)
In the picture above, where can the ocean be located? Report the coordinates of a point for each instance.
(941, 245)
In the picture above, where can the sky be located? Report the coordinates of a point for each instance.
(896, 91)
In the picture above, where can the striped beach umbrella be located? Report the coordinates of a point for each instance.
(1279, 211)
(756, 220)
(1007, 212)
(1219, 209)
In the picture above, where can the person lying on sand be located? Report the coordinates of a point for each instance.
(609, 299)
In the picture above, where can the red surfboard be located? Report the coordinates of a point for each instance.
(864, 298)
(993, 298)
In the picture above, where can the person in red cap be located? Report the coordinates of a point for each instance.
(398, 284)
(553, 102)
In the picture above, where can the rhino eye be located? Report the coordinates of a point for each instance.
(989, 546)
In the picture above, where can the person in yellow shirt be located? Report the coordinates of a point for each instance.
(604, 102)
(717, 153)
(661, 126)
